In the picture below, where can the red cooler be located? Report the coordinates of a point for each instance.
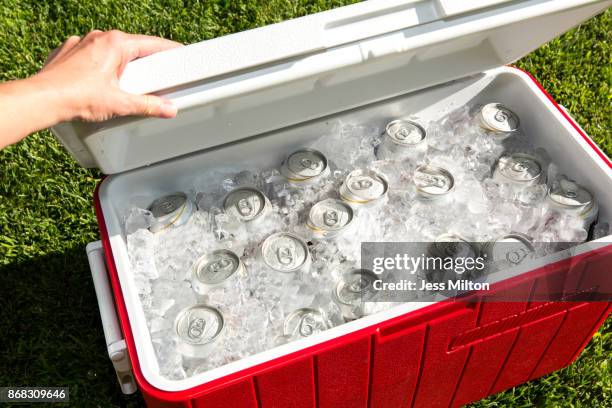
(254, 96)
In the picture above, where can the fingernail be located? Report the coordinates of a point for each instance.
(168, 109)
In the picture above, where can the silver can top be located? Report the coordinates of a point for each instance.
(405, 132)
(519, 167)
(499, 118)
(432, 182)
(356, 286)
(199, 324)
(167, 206)
(365, 186)
(304, 322)
(284, 252)
(305, 164)
(246, 202)
(513, 248)
(569, 194)
(217, 267)
(330, 215)
(453, 246)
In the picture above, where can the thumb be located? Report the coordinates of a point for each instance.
(148, 105)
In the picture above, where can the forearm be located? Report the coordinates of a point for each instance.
(27, 106)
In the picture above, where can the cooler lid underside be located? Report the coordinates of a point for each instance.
(260, 80)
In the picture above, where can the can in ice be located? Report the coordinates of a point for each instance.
(217, 269)
(570, 197)
(247, 204)
(305, 166)
(433, 183)
(199, 328)
(363, 186)
(286, 253)
(352, 291)
(403, 139)
(329, 218)
(304, 322)
(519, 169)
(498, 120)
(454, 246)
(170, 211)
(510, 249)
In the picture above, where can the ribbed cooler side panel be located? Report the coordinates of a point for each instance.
(238, 395)
(579, 323)
(531, 342)
(447, 355)
(395, 367)
(289, 386)
(441, 368)
(343, 375)
(485, 362)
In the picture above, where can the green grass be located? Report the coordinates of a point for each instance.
(49, 324)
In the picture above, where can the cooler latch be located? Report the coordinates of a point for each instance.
(115, 343)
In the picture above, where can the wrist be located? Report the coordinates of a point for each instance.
(54, 102)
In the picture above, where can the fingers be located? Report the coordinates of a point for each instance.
(146, 105)
(68, 45)
(146, 45)
(132, 46)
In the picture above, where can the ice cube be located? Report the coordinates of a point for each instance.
(601, 229)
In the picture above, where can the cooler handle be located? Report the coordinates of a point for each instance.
(115, 343)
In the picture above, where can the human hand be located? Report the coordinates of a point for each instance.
(86, 71)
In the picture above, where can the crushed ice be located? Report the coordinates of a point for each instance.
(255, 309)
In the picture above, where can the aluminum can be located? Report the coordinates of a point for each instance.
(572, 198)
(352, 291)
(247, 203)
(403, 139)
(498, 120)
(519, 169)
(216, 270)
(329, 218)
(305, 322)
(433, 183)
(305, 166)
(511, 249)
(199, 328)
(286, 253)
(364, 186)
(453, 245)
(170, 211)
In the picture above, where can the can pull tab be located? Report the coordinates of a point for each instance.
(501, 116)
(221, 265)
(285, 255)
(430, 180)
(403, 134)
(409, 135)
(309, 164)
(570, 188)
(196, 328)
(358, 285)
(516, 256)
(363, 184)
(245, 207)
(307, 325)
(331, 218)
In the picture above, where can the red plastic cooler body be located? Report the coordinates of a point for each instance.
(446, 354)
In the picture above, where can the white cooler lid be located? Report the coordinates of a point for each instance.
(249, 83)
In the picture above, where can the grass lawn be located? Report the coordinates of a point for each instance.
(50, 331)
